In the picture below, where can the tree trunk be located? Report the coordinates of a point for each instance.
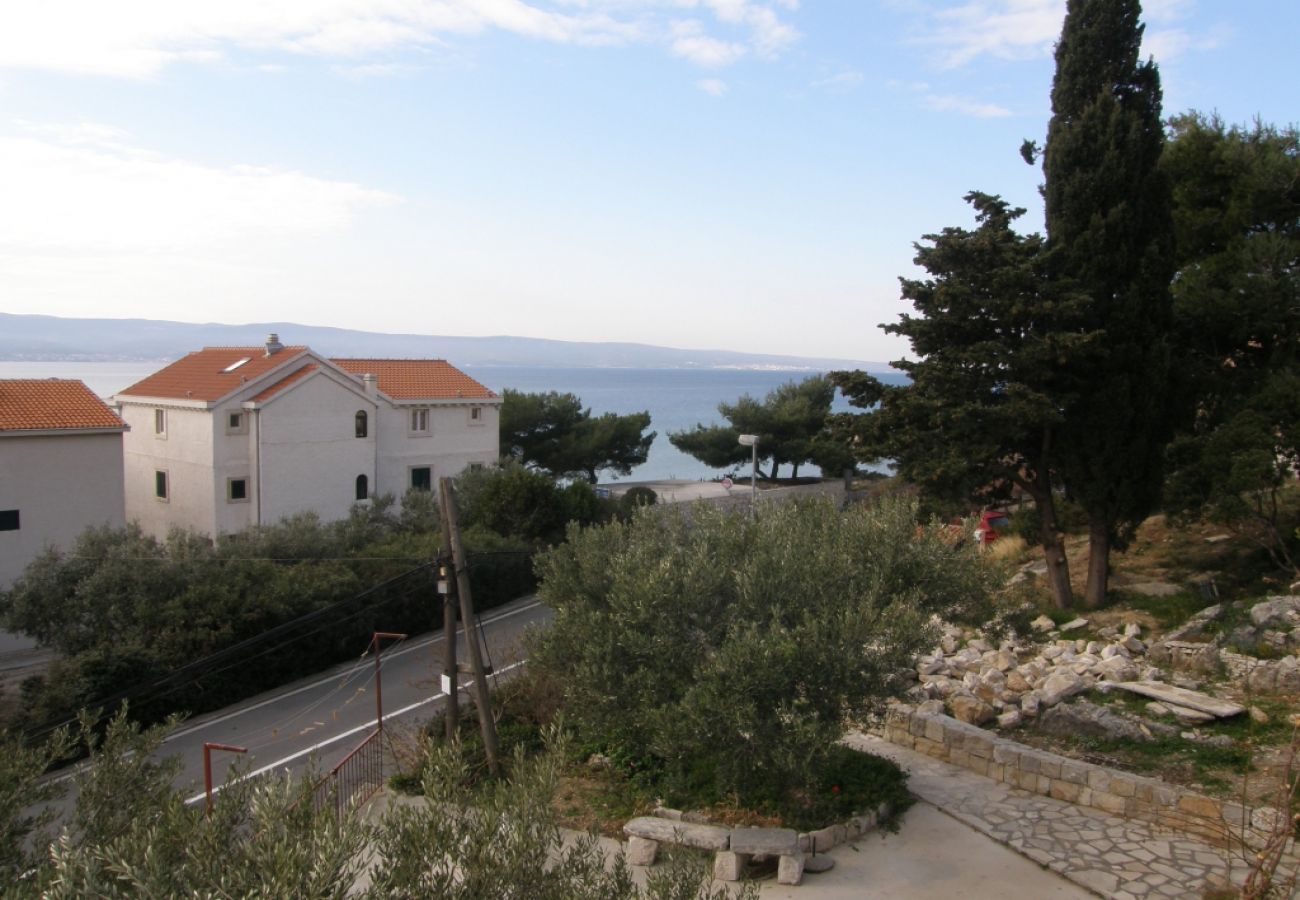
(1098, 563)
(1058, 566)
(794, 476)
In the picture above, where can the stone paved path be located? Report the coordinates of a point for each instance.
(1111, 856)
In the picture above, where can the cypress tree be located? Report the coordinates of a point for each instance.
(1109, 236)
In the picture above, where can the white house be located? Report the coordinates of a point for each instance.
(234, 436)
(60, 468)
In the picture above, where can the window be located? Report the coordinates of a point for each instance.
(476, 415)
(236, 489)
(160, 484)
(422, 478)
(236, 364)
(420, 421)
(363, 487)
(362, 423)
(235, 423)
(160, 422)
(8, 520)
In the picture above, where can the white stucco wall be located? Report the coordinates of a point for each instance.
(184, 453)
(309, 454)
(452, 444)
(60, 484)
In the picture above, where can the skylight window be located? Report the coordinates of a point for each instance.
(235, 365)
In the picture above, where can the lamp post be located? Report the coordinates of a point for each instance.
(751, 441)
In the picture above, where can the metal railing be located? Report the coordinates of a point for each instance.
(356, 778)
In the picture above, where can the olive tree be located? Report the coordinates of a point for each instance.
(724, 655)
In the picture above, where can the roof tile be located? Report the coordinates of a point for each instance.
(211, 373)
(52, 404)
(418, 379)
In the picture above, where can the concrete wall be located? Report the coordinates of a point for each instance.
(60, 485)
(310, 455)
(184, 452)
(452, 443)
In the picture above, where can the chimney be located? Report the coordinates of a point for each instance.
(273, 345)
(371, 382)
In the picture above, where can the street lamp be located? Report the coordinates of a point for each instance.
(751, 441)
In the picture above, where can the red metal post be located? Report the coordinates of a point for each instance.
(208, 747)
(379, 684)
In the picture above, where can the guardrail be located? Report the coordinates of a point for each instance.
(356, 778)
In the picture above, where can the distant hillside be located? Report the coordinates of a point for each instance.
(39, 338)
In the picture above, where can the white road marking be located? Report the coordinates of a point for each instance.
(338, 737)
(329, 679)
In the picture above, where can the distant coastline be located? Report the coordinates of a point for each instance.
(39, 339)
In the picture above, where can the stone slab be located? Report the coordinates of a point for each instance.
(771, 841)
(1177, 696)
(704, 837)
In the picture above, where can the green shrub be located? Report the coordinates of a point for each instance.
(723, 655)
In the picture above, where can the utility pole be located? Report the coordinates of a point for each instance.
(483, 701)
(379, 682)
(447, 588)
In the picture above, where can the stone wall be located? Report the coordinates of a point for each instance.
(1084, 784)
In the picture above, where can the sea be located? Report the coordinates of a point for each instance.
(677, 399)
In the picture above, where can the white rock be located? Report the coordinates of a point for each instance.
(1132, 629)
(1017, 682)
(1150, 673)
(1093, 647)
(1009, 719)
(1061, 685)
(1133, 645)
(1074, 624)
(1114, 650)
(1042, 624)
(1029, 704)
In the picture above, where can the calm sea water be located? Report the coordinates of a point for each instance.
(676, 399)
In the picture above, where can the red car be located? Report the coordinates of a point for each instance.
(992, 523)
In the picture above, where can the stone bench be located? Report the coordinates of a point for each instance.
(733, 848)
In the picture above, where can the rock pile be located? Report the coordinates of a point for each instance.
(1016, 681)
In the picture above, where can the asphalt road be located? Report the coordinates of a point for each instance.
(325, 716)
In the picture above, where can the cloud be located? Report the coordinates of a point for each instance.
(943, 103)
(714, 87)
(1005, 29)
(949, 102)
(86, 188)
(1028, 29)
(840, 81)
(140, 38)
(690, 42)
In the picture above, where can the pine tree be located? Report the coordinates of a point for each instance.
(1109, 235)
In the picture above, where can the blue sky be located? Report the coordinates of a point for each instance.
(737, 174)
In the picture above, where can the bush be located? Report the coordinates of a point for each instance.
(725, 655)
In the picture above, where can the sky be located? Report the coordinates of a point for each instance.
(734, 174)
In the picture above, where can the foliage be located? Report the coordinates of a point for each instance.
(188, 624)
(1110, 237)
(981, 412)
(724, 654)
(24, 798)
(552, 432)
(526, 504)
(790, 423)
(502, 840)
(1237, 218)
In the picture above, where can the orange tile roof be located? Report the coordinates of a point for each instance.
(52, 404)
(418, 379)
(202, 375)
(283, 383)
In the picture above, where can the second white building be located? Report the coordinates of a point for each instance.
(228, 437)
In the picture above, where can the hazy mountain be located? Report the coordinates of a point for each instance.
(51, 338)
